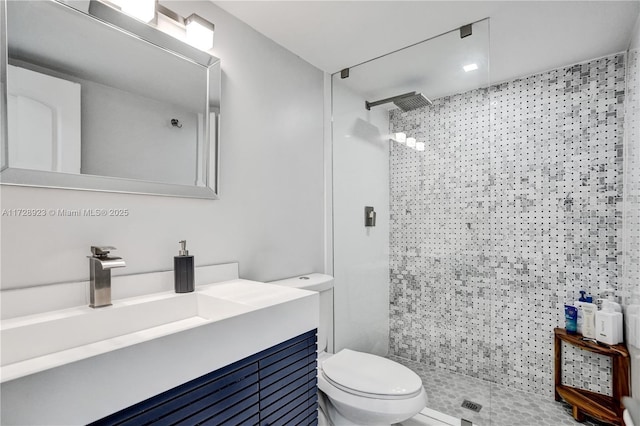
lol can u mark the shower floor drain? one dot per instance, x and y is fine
(470, 405)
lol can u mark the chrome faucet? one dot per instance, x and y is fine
(100, 266)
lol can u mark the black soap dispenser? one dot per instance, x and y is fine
(183, 269)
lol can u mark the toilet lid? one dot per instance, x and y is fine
(370, 374)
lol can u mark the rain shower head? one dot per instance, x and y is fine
(406, 102)
(412, 102)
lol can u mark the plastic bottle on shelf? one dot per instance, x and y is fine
(580, 304)
(609, 324)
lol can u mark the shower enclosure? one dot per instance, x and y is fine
(411, 138)
(494, 204)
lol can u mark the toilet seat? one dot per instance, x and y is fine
(370, 376)
(365, 394)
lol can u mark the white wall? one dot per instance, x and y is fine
(635, 37)
(361, 255)
(269, 217)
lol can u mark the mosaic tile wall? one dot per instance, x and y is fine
(632, 175)
(514, 206)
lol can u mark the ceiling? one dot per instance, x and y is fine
(433, 68)
(526, 37)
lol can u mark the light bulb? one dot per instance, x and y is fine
(419, 146)
(144, 10)
(199, 32)
(411, 142)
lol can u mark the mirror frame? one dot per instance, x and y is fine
(106, 15)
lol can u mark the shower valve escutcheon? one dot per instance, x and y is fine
(369, 216)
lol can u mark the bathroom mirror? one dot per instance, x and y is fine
(95, 100)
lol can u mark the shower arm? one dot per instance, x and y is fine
(368, 104)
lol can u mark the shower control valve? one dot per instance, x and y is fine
(369, 216)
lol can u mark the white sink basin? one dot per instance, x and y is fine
(77, 364)
(36, 342)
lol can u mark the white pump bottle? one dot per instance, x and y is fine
(609, 324)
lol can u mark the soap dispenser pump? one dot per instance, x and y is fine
(582, 296)
(183, 268)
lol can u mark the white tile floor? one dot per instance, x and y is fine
(501, 406)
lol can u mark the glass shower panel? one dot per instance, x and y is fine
(416, 287)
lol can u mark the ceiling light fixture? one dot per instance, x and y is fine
(470, 67)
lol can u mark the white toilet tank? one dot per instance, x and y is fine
(324, 285)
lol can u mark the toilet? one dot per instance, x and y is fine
(357, 388)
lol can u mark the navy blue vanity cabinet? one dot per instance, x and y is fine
(288, 382)
(277, 386)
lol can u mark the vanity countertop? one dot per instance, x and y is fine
(212, 327)
(38, 342)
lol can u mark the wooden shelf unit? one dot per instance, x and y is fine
(602, 407)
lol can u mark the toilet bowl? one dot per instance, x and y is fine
(357, 388)
(365, 389)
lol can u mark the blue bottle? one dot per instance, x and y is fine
(571, 319)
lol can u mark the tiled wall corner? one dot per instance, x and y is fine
(514, 206)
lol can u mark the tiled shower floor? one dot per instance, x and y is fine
(501, 406)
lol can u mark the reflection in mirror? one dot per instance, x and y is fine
(91, 106)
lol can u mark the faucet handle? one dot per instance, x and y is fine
(101, 251)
